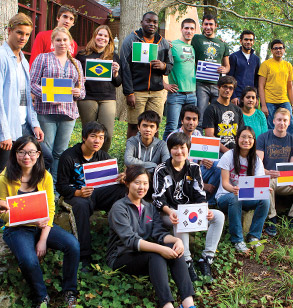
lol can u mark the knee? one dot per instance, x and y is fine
(81, 207)
(29, 263)
(72, 245)
(219, 217)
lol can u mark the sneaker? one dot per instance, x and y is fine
(241, 247)
(191, 271)
(254, 240)
(271, 229)
(70, 299)
(205, 266)
(44, 303)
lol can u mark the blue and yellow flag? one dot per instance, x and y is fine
(57, 90)
(99, 70)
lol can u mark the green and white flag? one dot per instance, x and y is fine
(144, 52)
(99, 70)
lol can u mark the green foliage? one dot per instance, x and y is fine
(283, 254)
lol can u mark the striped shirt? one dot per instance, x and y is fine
(47, 65)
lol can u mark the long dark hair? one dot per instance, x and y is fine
(13, 169)
(251, 157)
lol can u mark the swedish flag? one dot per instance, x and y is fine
(57, 90)
(98, 70)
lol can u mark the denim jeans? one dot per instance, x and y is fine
(215, 228)
(272, 109)
(229, 203)
(57, 129)
(205, 92)
(22, 241)
(211, 176)
(175, 102)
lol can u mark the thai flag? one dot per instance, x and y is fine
(207, 71)
(254, 187)
(102, 173)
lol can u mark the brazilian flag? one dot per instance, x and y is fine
(99, 70)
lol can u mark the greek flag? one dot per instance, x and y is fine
(207, 71)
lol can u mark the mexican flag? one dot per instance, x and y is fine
(144, 52)
(98, 70)
(204, 147)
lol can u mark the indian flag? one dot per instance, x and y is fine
(204, 147)
(144, 52)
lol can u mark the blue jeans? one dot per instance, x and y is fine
(272, 109)
(175, 102)
(57, 129)
(229, 203)
(205, 92)
(22, 241)
(211, 176)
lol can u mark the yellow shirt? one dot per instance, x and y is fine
(277, 75)
(8, 189)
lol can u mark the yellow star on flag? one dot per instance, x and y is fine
(15, 204)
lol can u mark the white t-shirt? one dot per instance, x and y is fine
(23, 100)
(246, 55)
(226, 163)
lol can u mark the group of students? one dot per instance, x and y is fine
(139, 241)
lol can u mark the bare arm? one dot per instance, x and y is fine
(210, 132)
(272, 173)
(226, 183)
(290, 92)
(226, 64)
(261, 91)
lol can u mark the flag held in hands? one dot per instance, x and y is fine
(98, 70)
(204, 147)
(254, 187)
(57, 90)
(286, 174)
(102, 173)
(27, 208)
(144, 52)
(207, 71)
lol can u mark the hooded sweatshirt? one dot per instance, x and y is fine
(136, 153)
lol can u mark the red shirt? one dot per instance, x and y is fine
(43, 44)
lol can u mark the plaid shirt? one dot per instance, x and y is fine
(47, 65)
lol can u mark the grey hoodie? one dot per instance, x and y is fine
(136, 153)
(127, 228)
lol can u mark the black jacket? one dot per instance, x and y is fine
(140, 76)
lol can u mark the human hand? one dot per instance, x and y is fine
(208, 187)
(42, 223)
(222, 70)
(235, 190)
(210, 215)
(158, 65)
(173, 88)
(41, 248)
(3, 206)
(84, 192)
(115, 69)
(178, 247)
(6, 145)
(76, 92)
(274, 174)
(265, 110)
(39, 134)
(173, 218)
(121, 178)
(207, 163)
(170, 43)
(235, 101)
(168, 253)
(130, 100)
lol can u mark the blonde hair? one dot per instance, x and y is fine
(283, 111)
(20, 19)
(91, 45)
(69, 56)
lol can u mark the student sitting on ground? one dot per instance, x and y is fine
(140, 245)
(25, 173)
(179, 181)
(234, 163)
(71, 185)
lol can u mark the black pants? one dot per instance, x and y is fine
(154, 265)
(101, 199)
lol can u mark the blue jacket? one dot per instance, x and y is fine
(244, 72)
(10, 127)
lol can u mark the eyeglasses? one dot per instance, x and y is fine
(278, 48)
(230, 88)
(250, 138)
(31, 153)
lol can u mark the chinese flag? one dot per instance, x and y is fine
(27, 208)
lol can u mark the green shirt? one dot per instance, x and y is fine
(210, 50)
(257, 121)
(184, 65)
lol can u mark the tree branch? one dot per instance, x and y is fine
(237, 15)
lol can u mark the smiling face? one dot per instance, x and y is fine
(66, 20)
(247, 42)
(94, 141)
(18, 37)
(27, 156)
(249, 100)
(189, 122)
(281, 122)
(150, 24)
(209, 27)
(278, 51)
(138, 188)
(61, 43)
(246, 140)
(102, 39)
(179, 154)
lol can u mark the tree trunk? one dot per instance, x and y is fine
(7, 10)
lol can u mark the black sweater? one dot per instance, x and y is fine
(100, 90)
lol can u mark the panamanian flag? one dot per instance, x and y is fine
(102, 173)
(207, 71)
(144, 52)
(254, 187)
(57, 90)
